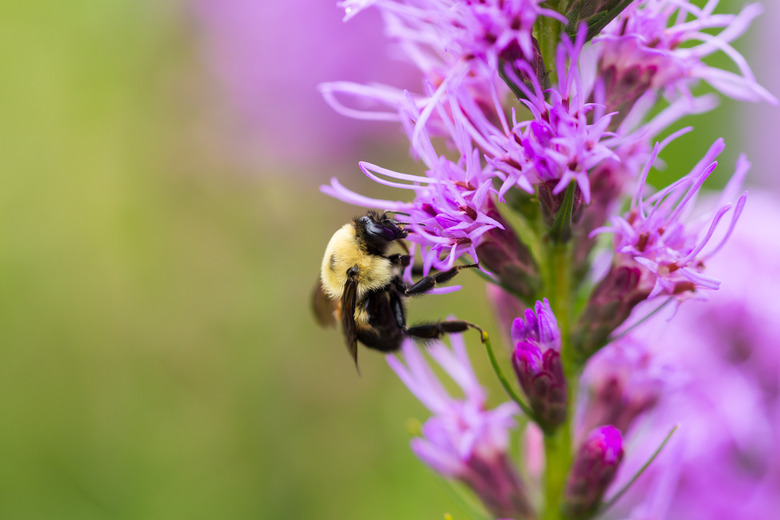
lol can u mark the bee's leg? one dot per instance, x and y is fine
(437, 330)
(429, 282)
(385, 328)
(397, 307)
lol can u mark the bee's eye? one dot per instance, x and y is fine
(385, 230)
(387, 233)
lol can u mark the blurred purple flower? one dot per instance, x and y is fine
(722, 462)
(269, 57)
(623, 381)
(661, 44)
(464, 440)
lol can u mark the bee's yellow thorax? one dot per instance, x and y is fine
(342, 253)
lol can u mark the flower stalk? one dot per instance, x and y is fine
(550, 112)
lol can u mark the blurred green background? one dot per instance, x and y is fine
(157, 356)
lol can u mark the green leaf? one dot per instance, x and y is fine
(595, 15)
(561, 228)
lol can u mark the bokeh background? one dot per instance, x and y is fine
(161, 229)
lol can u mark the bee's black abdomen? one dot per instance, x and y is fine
(385, 328)
(381, 338)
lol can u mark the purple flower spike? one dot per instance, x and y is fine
(464, 440)
(537, 363)
(593, 470)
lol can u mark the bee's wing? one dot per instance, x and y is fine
(323, 307)
(348, 303)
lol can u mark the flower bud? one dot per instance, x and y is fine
(593, 470)
(607, 182)
(610, 303)
(537, 363)
(502, 252)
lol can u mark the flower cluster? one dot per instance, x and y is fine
(535, 123)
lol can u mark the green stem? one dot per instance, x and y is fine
(557, 455)
(507, 387)
(560, 293)
(558, 444)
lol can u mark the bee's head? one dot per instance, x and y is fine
(376, 231)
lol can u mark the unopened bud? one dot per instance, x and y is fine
(593, 470)
(610, 303)
(502, 253)
(537, 363)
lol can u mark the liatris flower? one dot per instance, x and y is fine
(451, 210)
(565, 138)
(660, 44)
(464, 440)
(593, 470)
(532, 134)
(455, 44)
(655, 236)
(658, 253)
(537, 362)
(449, 39)
(722, 462)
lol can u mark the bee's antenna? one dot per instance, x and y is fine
(397, 212)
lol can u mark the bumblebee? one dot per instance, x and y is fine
(361, 285)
